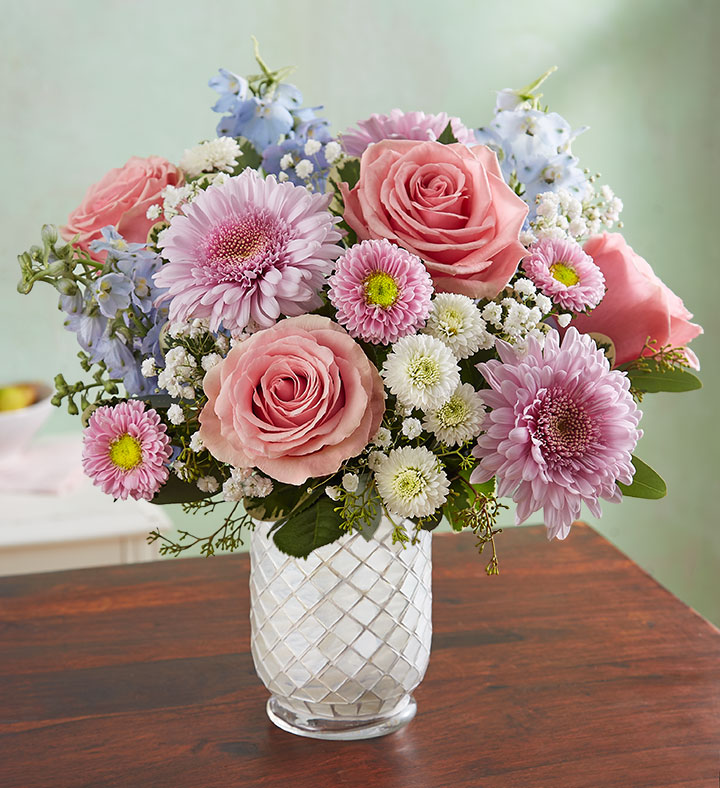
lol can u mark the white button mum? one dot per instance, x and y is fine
(421, 371)
(455, 320)
(411, 482)
(459, 419)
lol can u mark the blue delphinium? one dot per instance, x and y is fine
(283, 157)
(263, 117)
(533, 147)
(115, 319)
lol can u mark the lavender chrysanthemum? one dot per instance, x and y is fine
(565, 273)
(399, 125)
(381, 292)
(249, 248)
(560, 430)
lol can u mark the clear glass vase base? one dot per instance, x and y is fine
(341, 728)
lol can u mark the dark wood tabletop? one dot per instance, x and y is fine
(572, 668)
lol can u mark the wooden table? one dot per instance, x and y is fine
(573, 668)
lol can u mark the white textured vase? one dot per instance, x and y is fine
(342, 638)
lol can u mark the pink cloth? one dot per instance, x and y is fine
(49, 466)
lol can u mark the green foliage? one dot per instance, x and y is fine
(178, 491)
(225, 539)
(361, 510)
(447, 137)
(311, 528)
(250, 158)
(646, 483)
(284, 501)
(660, 369)
(347, 170)
(431, 522)
(654, 376)
(103, 389)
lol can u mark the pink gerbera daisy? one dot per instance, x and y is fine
(381, 292)
(125, 450)
(565, 274)
(561, 429)
(249, 248)
(399, 125)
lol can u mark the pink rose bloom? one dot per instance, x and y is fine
(121, 199)
(295, 400)
(448, 204)
(637, 304)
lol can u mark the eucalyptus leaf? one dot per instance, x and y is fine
(313, 527)
(656, 378)
(646, 482)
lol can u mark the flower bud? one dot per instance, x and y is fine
(57, 267)
(49, 234)
(67, 287)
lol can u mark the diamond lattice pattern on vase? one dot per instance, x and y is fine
(345, 632)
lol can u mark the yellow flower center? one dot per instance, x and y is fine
(565, 274)
(381, 290)
(126, 452)
(423, 372)
(409, 483)
(453, 412)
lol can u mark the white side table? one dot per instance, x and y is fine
(85, 527)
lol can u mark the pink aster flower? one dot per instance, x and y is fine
(561, 429)
(399, 125)
(381, 292)
(249, 248)
(125, 450)
(565, 274)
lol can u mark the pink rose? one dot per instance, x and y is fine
(446, 203)
(637, 304)
(121, 199)
(295, 400)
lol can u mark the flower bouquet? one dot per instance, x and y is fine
(344, 340)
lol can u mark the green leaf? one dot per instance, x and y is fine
(646, 483)
(656, 378)
(314, 527)
(177, 491)
(447, 137)
(250, 157)
(284, 501)
(349, 171)
(368, 530)
(431, 522)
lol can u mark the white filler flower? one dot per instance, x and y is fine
(411, 482)
(456, 321)
(421, 371)
(457, 420)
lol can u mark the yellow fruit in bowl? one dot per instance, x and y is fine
(16, 397)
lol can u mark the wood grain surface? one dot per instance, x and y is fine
(573, 668)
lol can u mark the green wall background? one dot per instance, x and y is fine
(85, 84)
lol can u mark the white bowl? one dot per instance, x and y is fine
(18, 427)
